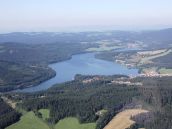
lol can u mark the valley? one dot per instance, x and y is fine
(85, 64)
(89, 80)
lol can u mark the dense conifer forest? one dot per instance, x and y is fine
(8, 115)
(85, 96)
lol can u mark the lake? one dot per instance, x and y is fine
(85, 64)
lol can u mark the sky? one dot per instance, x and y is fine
(78, 15)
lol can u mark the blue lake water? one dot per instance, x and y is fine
(85, 64)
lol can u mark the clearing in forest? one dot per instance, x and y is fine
(29, 121)
(45, 113)
(73, 123)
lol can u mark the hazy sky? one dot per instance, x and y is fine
(63, 15)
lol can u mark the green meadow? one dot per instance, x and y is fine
(73, 123)
(45, 113)
(29, 121)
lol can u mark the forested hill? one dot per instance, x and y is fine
(24, 65)
(85, 96)
(39, 53)
(14, 75)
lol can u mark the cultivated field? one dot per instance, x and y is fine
(150, 53)
(122, 120)
(148, 58)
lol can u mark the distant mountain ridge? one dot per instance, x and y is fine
(149, 37)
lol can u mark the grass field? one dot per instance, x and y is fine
(104, 46)
(45, 113)
(73, 123)
(29, 121)
(165, 71)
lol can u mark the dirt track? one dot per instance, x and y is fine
(122, 120)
